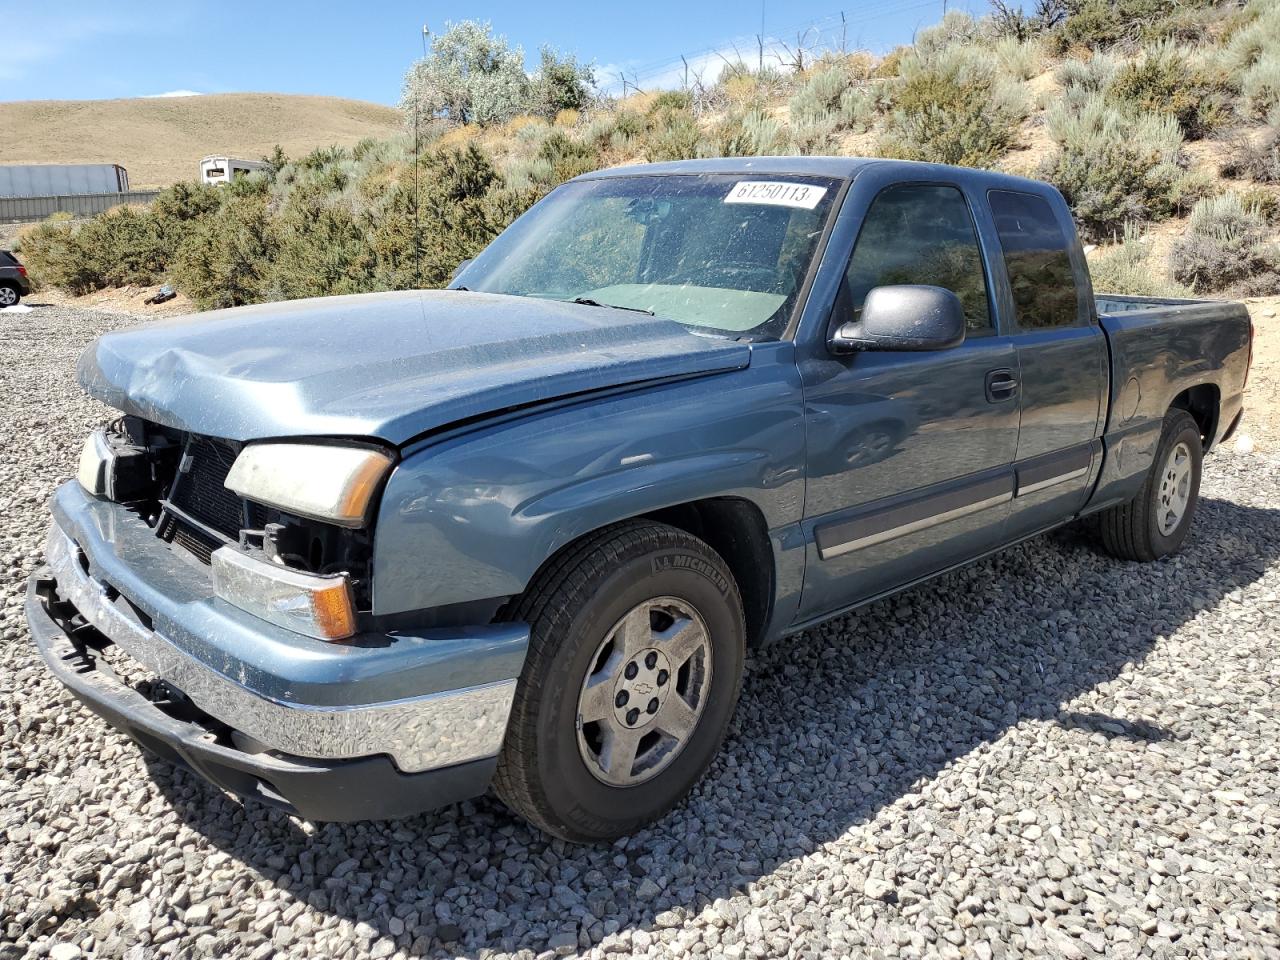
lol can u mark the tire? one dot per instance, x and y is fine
(1142, 529)
(589, 609)
(9, 295)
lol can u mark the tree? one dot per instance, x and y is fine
(471, 75)
(561, 83)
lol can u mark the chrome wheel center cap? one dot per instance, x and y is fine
(641, 688)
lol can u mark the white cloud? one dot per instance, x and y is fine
(705, 66)
(172, 93)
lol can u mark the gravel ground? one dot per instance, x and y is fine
(1047, 754)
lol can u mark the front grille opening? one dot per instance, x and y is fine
(198, 489)
(199, 543)
(200, 515)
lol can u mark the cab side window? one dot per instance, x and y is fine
(923, 234)
(1038, 260)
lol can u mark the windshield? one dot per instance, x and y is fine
(720, 254)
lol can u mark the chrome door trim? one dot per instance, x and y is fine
(1038, 473)
(888, 522)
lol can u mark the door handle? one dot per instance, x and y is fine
(1002, 385)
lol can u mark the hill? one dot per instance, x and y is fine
(160, 140)
(1162, 133)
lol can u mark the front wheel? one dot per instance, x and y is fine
(633, 671)
(1155, 522)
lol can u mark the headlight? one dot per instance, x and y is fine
(335, 484)
(114, 466)
(95, 464)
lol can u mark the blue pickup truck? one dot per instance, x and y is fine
(361, 556)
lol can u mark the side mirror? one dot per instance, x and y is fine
(903, 317)
(460, 267)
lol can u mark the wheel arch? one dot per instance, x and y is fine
(1204, 403)
(735, 528)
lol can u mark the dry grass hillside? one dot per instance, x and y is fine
(160, 140)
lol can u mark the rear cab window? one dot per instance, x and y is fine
(1037, 259)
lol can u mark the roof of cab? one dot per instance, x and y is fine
(844, 168)
(841, 167)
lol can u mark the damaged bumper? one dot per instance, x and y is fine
(379, 726)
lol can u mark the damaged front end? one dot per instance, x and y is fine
(290, 569)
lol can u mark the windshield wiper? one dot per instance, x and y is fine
(588, 302)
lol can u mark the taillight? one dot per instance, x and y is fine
(1248, 364)
(22, 271)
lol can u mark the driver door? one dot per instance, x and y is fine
(909, 453)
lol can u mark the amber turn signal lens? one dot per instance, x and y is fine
(316, 606)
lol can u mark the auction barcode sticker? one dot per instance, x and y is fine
(778, 194)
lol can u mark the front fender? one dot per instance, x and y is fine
(473, 516)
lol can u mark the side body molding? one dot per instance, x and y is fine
(882, 521)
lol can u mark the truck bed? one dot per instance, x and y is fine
(1162, 349)
(1110, 304)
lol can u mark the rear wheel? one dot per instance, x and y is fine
(9, 295)
(633, 671)
(1155, 522)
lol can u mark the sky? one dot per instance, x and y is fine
(70, 49)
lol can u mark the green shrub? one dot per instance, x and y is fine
(1260, 84)
(750, 134)
(1115, 166)
(1090, 75)
(125, 247)
(956, 28)
(831, 93)
(1126, 268)
(1019, 59)
(1105, 23)
(1164, 79)
(504, 204)
(1225, 249)
(953, 108)
(670, 101)
(120, 247)
(53, 257)
(567, 157)
(1256, 158)
(455, 210)
(674, 136)
(1265, 203)
(321, 251)
(828, 103)
(226, 260)
(1257, 33)
(323, 157)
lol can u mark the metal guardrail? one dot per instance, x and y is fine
(19, 209)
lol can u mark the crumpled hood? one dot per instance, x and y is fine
(385, 365)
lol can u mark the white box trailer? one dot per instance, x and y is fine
(62, 179)
(226, 169)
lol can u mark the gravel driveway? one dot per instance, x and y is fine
(1047, 754)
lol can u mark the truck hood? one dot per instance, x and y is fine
(387, 365)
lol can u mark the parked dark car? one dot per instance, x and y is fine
(14, 283)
(376, 553)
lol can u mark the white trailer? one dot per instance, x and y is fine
(226, 169)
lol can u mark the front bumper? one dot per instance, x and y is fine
(382, 725)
